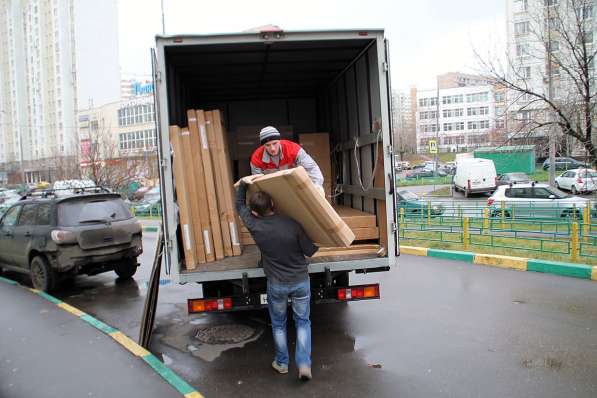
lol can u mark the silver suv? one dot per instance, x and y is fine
(535, 200)
(52, 238)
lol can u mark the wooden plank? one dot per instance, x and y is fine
(231, 219)
(201, 193)
(217, 153)
(351, 247)
(365, 233)
(345, 253)
(182, 199)
(355, 218)
(191, 189)
(210, 188)
(380, 182)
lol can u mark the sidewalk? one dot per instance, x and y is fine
(49, 352)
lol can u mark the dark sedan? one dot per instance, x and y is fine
(512, 178)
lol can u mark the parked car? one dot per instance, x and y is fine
(8, 202)
(512, 178)
(53, 238)
(563, 163)
(535, 200)
(148, 207)
(475, 175)
(411, 203)
(419, 172)
(578, 181)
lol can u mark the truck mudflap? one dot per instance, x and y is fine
(258, 300)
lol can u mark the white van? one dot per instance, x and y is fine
(474, 175)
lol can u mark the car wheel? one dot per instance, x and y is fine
(573, 190)
(558, 185)
(126, 269)
(43, 276)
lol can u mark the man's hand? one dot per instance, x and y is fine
(247, 179)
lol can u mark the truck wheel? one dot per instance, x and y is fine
(573, 190)
(43, 276)
(126, 269)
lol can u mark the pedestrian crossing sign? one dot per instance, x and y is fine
(432, 146)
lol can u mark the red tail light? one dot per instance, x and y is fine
(207, 305)
(490, 201)
(468, 183)
(358, 292)
(579, 180)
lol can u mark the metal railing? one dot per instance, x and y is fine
(533, 229)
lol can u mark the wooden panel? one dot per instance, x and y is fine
(317, 145)
(191, 188)
(355, 218)
(201, 194)
(183, 200)
(368, 233)
(216, 151)
(210, 187)
(225, 165)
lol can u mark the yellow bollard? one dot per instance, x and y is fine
(401, 215)
(486, 218)
(586, 222)
(428, 213)
(465, 235)
(574, 242)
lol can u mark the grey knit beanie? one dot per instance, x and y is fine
(268, 133)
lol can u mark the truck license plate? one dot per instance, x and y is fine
(263, 298)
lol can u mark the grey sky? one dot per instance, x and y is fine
(427, 37)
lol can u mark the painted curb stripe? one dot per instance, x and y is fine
(452, 255)
(9, 281)
(564, 269)
(415, 251)
(494, 260)
(129, 344)
(69, 308)
(175, 381)
(165, 372)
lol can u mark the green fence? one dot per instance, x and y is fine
(532, 230)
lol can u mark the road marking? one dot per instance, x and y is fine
(129, 344)
(71, 309)
(494, 260)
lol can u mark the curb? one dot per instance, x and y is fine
(165, 372)
(581, 271)
(150, 229)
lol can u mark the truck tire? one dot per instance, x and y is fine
(43, 277)
(127, 269)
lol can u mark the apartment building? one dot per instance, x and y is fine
(460, 118)
(403, 121)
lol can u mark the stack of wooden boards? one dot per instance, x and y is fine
(204, 190)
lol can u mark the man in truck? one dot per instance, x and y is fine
(276, 154)
(283, 244)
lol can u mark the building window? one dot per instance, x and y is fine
(522, 28)
(477, 139)
(499, 96)
(500, 123)
(481, 110)
(457, 112)
(522, 49)
(551, 2)
(428, 115)
(477, 97)
(584, 12)
(456, 126)
(521, 5)
(429, 128)
(553, 46)
(452, 99)
(478, 124)
(431, 101)
(524, 72)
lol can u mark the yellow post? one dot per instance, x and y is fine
(401, 215)
(133, 211)
(586, 221)
(428, 213)
(503, 206)
(486, 218)
(465, 236)
(574, 242)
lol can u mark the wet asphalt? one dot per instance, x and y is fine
(441, 329)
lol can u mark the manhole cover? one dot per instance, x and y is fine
(224, 334)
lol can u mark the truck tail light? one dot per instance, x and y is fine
(358, 292)
(63, 237)
(490, 201)
(209, 305)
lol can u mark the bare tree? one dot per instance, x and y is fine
(549, 72)
(103, 164)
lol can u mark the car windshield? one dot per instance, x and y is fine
(92, 210)
(558, 194)
(408, 195)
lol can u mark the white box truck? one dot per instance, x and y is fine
(318, 81)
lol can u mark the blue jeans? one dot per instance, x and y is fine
(277, 301)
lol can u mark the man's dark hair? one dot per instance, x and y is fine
(261, 203)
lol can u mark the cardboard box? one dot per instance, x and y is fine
(317, 145)
(247, 139)
(295, 195)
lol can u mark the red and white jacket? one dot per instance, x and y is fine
(291, 155)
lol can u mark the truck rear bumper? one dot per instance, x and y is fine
(353, 265)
